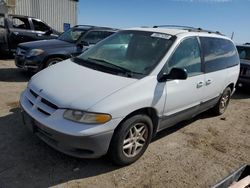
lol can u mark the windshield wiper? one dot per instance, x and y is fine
(120, 69)
(111, 64)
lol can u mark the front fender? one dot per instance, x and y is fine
(145, 93)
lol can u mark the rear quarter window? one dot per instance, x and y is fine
(218, 54)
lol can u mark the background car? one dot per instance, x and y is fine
(34, 56)
(15, 29)
(244, 77)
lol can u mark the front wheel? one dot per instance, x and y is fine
(131, 139)
(53, 61)
(222, 104)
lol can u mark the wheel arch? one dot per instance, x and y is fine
(149, 111)
(62, 56)
(231, 86)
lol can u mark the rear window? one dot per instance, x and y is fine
(244, 52)
(218, 53)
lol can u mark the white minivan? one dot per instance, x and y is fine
(116, 96)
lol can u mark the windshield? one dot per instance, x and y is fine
(135, 52)
(244, 52)
(72, 35)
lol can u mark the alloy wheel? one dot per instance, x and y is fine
(135, 140)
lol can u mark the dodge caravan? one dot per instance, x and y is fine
(116, 96)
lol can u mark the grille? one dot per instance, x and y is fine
(20, 52)
(40, 104)
(33, 93)
(49, 103)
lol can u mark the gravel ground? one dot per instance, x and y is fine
(197, 153)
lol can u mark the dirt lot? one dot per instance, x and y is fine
(197, 153)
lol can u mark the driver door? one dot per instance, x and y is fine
(183, 97)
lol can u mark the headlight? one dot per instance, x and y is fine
(35, 52)
(86, 117)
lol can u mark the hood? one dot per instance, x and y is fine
(69, 85)
(45, 44)
(245, 62)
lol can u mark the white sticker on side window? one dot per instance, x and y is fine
(161, 35)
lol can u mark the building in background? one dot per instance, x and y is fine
(3, 8)
(60, 14)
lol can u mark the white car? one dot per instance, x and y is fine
(116, 96)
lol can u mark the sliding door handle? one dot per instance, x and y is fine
(208, 82)
(200, 84)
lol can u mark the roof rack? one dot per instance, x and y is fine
(247, 43)
(188, 28)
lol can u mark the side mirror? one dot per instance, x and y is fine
(49, 32)
(175, 74)
(84, 43)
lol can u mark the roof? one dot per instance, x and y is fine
(176, 30)
(20, 16)
(244, 45)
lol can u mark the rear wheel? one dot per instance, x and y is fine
(52, 61)
(131, 140)
(222, 104)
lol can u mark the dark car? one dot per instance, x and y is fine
(34, 56)
(15, 29)
(244, 77)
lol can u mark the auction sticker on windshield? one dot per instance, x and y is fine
(161, 35)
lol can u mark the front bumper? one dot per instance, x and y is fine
(77, 146)
(31, 64)
(75, 139)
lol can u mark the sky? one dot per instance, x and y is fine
(226, 16)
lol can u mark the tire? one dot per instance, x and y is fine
(222, 104)
(136, 131)
(52, 61)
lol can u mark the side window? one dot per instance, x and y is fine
(94, 37)
(187, 55)
(20, 23)
(218, 54)
(244, 52)
(1, 21)
(40, 26)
